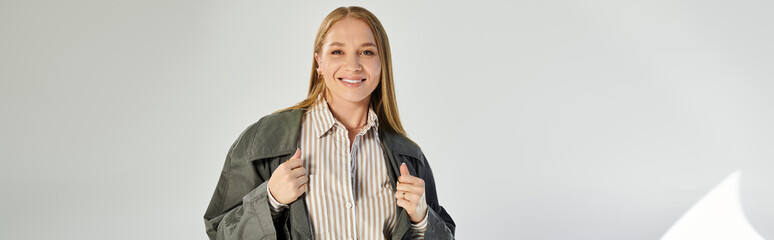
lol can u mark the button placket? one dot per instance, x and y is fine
(349, 198)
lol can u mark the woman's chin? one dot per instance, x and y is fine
(351, 97)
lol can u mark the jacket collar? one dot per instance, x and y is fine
(278, 134)
(323, 120)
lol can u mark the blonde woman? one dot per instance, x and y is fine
(337, 165)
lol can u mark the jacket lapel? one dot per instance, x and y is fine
(282, 141)
(285, 138)
(394, 147)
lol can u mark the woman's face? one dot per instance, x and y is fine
(349, 61)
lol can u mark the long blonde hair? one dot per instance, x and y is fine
(383, 97)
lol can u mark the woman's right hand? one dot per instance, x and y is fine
(289, 180)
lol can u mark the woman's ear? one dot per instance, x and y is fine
(317, 58)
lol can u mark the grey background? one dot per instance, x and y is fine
(541, 119)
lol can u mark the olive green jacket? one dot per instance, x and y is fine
(239, 208)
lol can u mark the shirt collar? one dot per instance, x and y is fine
(323, 120)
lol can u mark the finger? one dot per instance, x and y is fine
(297, 154)
(399, 194)
(408, 179)
(401, 202)
(404, 170)
(405, 204)
(293, 163)
(409, 188)
(412, 197)
(303, 188)
(408, 196)
(297, 172)
(301, 181)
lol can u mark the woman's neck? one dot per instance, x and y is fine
(352, 114)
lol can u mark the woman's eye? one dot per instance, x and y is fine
(368, 52)
(336, 52)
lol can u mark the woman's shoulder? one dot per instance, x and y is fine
(402, 145)
(276, 119)
(277, 122)
(278, 130)
(280, 118)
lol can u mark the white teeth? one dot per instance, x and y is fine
(350, 80)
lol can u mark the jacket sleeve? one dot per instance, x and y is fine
(239, 208)
(440, 225)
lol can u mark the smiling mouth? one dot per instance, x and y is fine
(352, 80)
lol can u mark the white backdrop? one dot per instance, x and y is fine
(541, 119)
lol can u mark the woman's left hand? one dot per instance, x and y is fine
(410, 195)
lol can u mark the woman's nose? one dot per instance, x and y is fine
(353, 63)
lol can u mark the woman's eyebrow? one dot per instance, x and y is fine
(342, 44)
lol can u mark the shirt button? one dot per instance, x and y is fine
(349, 205)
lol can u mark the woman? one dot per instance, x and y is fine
(338, 165)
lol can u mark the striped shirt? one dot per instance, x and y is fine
(349, 195)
